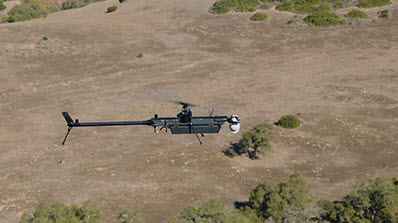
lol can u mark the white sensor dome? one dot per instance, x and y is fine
(234, 125)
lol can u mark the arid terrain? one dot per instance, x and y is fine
(341, 82)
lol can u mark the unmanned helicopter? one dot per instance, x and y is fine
(183, 123)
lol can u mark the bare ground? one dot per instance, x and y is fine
(342, 80)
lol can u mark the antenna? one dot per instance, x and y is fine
(211, 112)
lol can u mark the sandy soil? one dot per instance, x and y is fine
(342, 80)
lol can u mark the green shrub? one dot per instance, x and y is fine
(121, 1)
(45, 38)
(252, 10)
(288, 122)
(27, 10)
(140, 55)
(254, 142)
(291, 21)
(264, 7)
(356, 14)
(2, 6)
(285, 6)
(323, 18)
(271, 200)
(372, 3)
(375, 202)
(59, 212)
(224, 6)
(128, 215)
(259, 17)
(71, 4)
(112, 9)
(384, 14)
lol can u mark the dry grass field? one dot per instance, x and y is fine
(342, 80)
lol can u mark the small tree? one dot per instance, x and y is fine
(2, 6)
(272, 201)
(375, 202)
(254, 142)
(210, 212)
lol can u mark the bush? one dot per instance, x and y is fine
(285, 6)
(254, 142)
(210, 212)
(356, 14)
(59, 212)
(259, 17)
(45, 38)
(288, 122)
(323, 18)
(291, 21)
(272, 201)
(140, 55)
(384, 14)
(27, 10)
(224, 6)
(121, 1)
(112, 9)
(375, 202)
(372, 3)
(2, 6)
(71, 4)
(128, 215)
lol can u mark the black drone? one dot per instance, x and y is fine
(184, 123)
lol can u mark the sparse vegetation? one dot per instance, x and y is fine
(27, 10)
(2, 6)
(287, 201)
(372, 3)
(140, 55)
(128, 215)
(288, 122)
(323, 18)
(45, 38)
(259, 17)
(111, 9)
(291, 21)
(356, 14)
(318, 11)
(59, 212)
(209, 212)
(254, 142)
(224, 6)
(384, 14)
